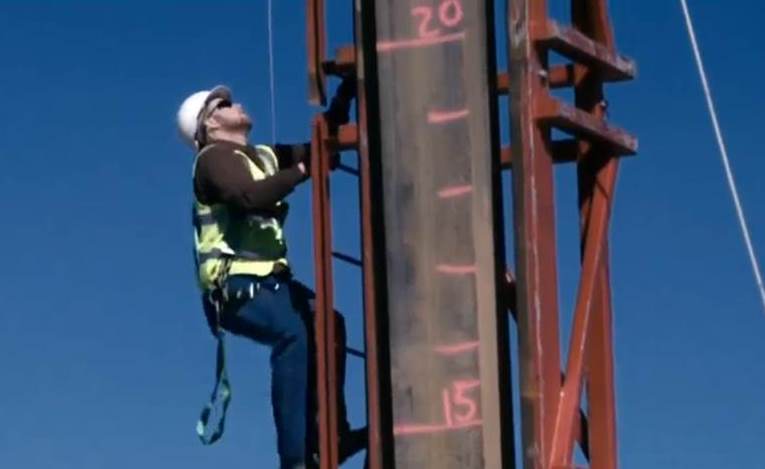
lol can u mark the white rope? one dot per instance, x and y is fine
(724, 152)
(271, 71)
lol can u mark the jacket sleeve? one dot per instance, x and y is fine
(225, 178)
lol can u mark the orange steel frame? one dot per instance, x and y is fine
(552, 421)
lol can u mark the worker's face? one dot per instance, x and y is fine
(229, 116)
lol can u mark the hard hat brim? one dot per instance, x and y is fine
(219, 92)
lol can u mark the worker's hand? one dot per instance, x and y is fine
(303, 160)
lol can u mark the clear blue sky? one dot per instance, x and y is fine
(104, 354)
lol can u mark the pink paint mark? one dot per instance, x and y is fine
(455, 191)
(447, 401)
(450, 13)
(456, 349)
(460, 410)
(456, 269)
(387, 46)
(426, 14)
(469, 406)
(413, 429)
(439, 117)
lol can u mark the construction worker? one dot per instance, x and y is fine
(241, 256)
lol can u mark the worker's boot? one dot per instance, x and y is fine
(350, 441)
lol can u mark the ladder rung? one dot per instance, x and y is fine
(347, 258)
(356, 353)
(580, 48)
(584, 125)
(347, 169)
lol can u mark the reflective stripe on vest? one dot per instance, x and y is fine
(215, 254)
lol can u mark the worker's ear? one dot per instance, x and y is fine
(211, 123)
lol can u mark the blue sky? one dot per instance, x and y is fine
(105, 356)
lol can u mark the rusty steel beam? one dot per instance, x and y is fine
(316, 51)
(602, 437)
(437, 172)
(552, 418)
(570, 396)
(354, 60)
(324, 323)
(349, 61)
(344, 62)
(508, 297)
(592, 20)
(535, 251)
(379, 423)
(572, 119)
(579, 47)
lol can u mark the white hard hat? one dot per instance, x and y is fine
(190, 115)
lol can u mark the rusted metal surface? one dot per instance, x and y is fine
(578, 47)
(431, 240)
(500, 336)
(535, 251)
(316, 51)
(349, 61)
(344, 62)
(552, 420)
(379, 448)
(438, 197)
(571, 119)
(508, 298)
(326, 372)
(571, 391)
(600, 377)
(591, 18)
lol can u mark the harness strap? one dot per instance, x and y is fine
(221, 396)
(221, 393)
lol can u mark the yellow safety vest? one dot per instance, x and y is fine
(229, 242)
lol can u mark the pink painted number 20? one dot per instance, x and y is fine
(449, 15)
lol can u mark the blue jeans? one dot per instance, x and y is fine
(277, 311)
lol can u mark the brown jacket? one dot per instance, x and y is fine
(221, 176)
